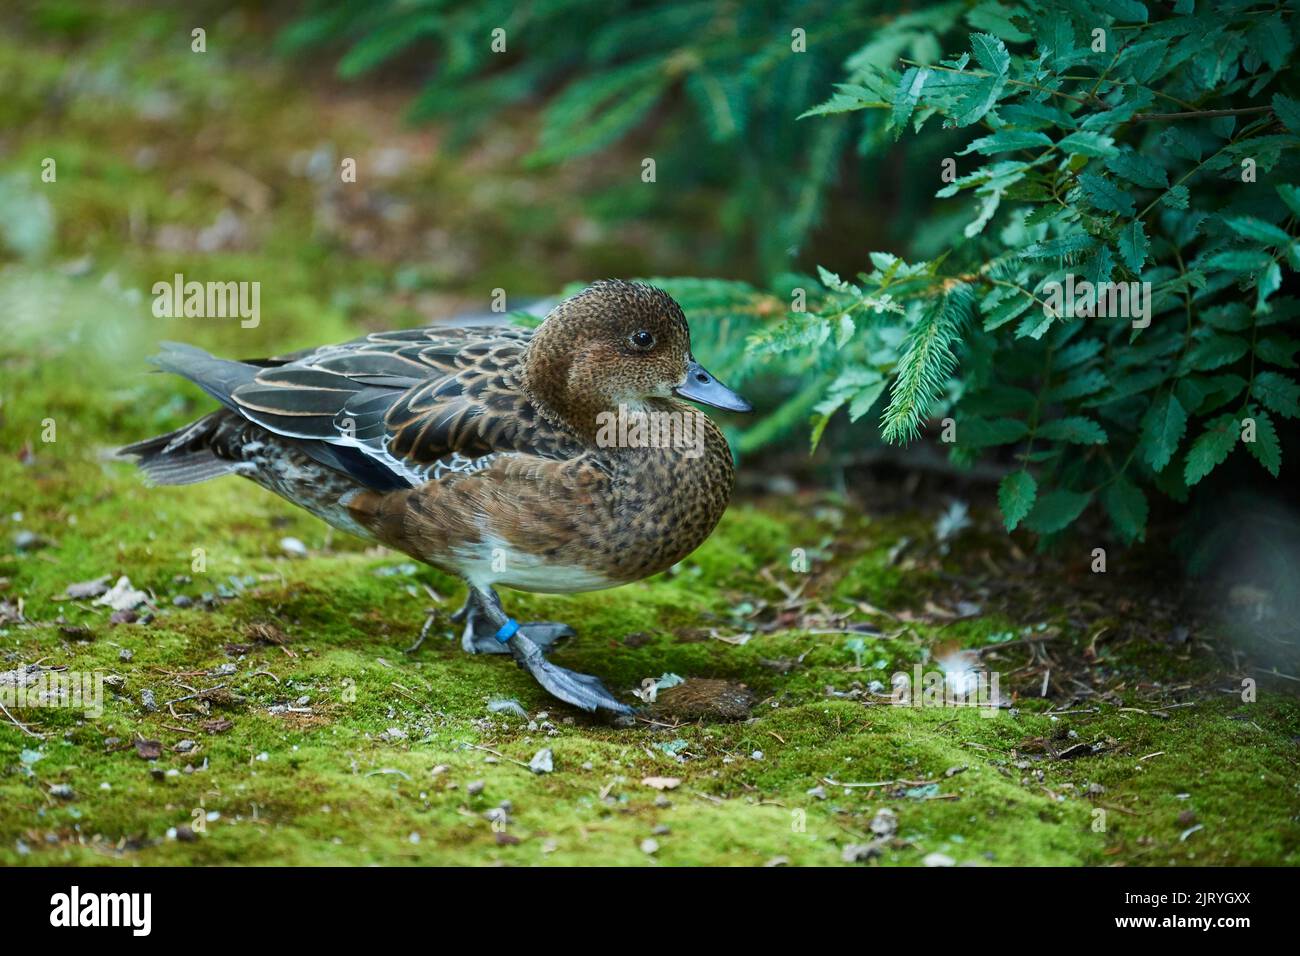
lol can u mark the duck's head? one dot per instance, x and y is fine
(617, 343)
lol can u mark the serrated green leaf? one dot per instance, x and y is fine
(1277, 350)
(1074, 429)
(1006, 311)
(1105, 195)
(977, 432)
(990, 53)
(1076, 354)
(1258, 230)
(1288, 111)
(1016, 494)
(1211, 449)
(833, 282)
(1127, 507)
(1163, 427)
(1176, 198)
(865, 399)
(1088, 144)
(908, 95)
(1138, 169)
(1266, 448)
(1216, 352)
(1238, 260)
(1134, 246)
(1077, 385)
(848, 98)
(1005, 140)
(978, 99)
(1278, 393)
(1266, 283)
(1056, 510)
(1074, 245)
(992, 17)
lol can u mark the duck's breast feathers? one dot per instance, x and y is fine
(424, 403)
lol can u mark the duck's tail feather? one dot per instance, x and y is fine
(218, 377)
(185, 456)
(194, 453)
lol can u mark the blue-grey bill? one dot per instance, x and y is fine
(700, 386)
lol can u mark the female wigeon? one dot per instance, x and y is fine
(554, 459)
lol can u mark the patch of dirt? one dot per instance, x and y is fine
(703, 699)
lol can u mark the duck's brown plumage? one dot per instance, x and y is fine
(473, 449)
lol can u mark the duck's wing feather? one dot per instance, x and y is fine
(419, 403)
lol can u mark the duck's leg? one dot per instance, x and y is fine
(480, 634)
(580, 690)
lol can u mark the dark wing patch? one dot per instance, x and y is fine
(417, 403)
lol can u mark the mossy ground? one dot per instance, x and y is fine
(328, 782)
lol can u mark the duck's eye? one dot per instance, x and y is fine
(641, 340)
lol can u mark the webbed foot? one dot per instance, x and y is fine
(529, 642)
(581, 690)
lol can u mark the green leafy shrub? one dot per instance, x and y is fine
(1103, 148)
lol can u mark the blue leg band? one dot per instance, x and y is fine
(508, 630)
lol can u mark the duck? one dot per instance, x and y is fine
(556, 459)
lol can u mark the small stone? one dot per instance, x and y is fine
(938, 859)
(661, 830)
(62, 791)
(28, 541)
(649, 846)
(475, 787)
(182, 600)
(185, 834)
(125, 655)
(884, 823)
(185, 746)
(662, 802)
(859, 852)
(148, 749)
(87, 589)
(543, 761)
(756, 755)
(1187, 818)
(293, 547)
(819, 792)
